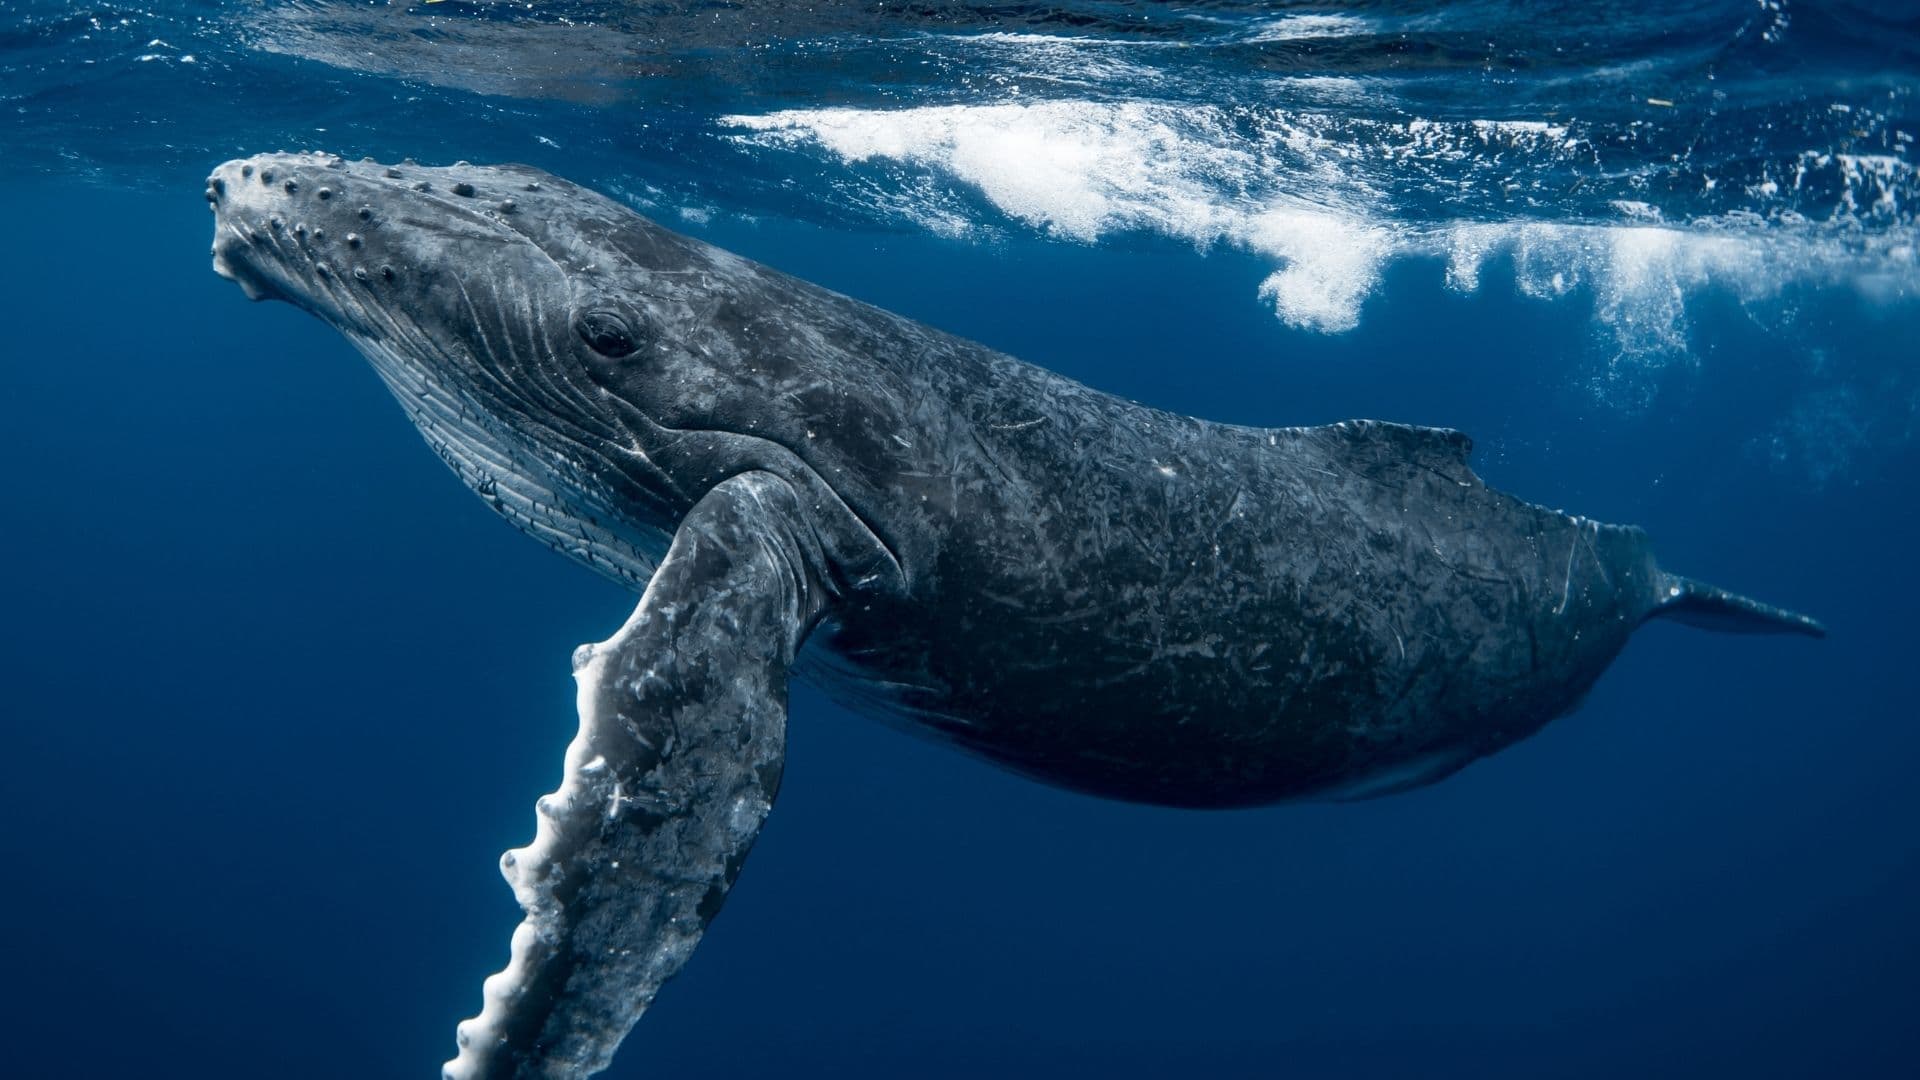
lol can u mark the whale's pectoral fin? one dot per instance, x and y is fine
(682, 738)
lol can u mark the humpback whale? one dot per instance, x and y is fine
(1088, 591)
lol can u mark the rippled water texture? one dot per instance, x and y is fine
(1642, 155)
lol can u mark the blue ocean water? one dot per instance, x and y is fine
(280, 691)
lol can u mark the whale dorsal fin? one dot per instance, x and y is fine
(1381, 442)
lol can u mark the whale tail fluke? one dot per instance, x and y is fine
(1712, 608)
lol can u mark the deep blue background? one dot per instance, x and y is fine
(278, 692)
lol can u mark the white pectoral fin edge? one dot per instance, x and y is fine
(681, 744)
(586, 788)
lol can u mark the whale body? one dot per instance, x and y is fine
(1089, 591)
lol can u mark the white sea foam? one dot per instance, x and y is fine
(1642, 277)
(1080, 171)
(1304, 26)
(1306, 190)
(1329, 265)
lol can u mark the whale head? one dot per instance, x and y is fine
(491, 300)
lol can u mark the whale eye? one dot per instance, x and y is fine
(607, 333)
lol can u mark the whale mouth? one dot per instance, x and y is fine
(262, 238)
(299, 228)
(240, 271)
(232, 240)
